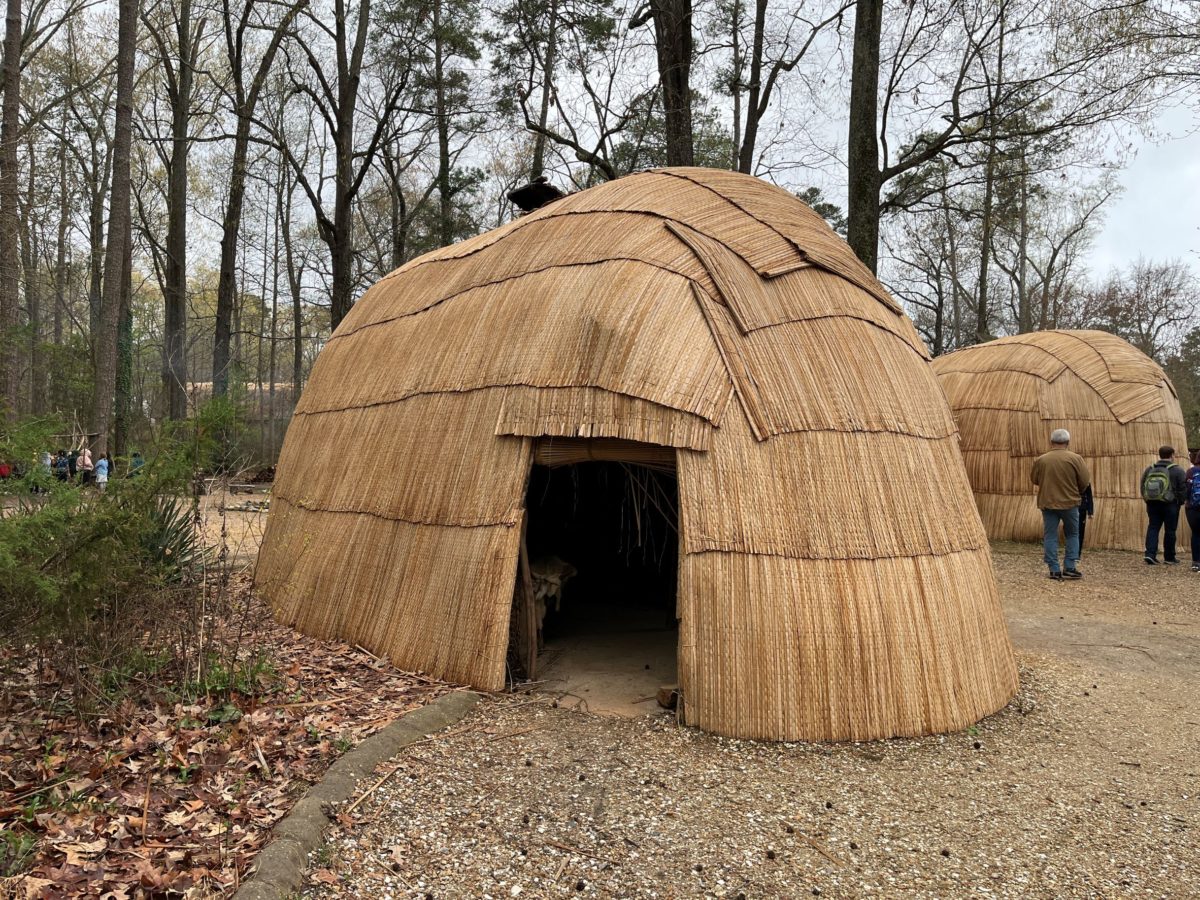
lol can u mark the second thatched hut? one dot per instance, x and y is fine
(1009, 394)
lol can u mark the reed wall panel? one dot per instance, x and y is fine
(595, 413)
(803, 294)
(1018, 356)
(1117, 403)
(545, 244)
(804, 383)
(430, 598)
(990, 391)
(803, 227)
(826, 495)
(652, 194)
(379, 461)
(635, 331)
(902, 646)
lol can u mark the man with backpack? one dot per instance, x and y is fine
(1164, 487)
(1061, 476)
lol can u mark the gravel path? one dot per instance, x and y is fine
(1085, 786)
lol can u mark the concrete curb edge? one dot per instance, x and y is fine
(279, 868)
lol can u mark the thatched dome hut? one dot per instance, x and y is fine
(1009, 394)
(834, 580)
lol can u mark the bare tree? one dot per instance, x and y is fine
(673, 44)
(777, 43)
(1153, 305)
(118, 250)
(1066, 68)
(335, 94)
(244, 99)
(862, 205)
(177, 39)
(10, 222)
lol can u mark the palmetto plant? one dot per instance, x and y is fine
(171, 541)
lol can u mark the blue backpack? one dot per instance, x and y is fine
(1193, 491)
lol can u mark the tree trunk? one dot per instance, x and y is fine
(124, 382)
(735, 84)
(10, 217)
(862, 205)
(227, 279)
(673, 42)
(96, 255)
(247, 102)
(538, 165)
(399, 224)
(31, 263)
(750, 138)
(295, 278)
(1024, 307)
(983, 312)
(273, 373)
(341, 241)
(955, 281)
(60, 260)
(118, 250)
(175, 286)
(442, 116)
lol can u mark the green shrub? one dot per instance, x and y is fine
(113, 587)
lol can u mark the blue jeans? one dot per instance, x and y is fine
(1070, 524)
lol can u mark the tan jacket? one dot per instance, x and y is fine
(1061, 476)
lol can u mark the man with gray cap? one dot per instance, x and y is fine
(1061, 477)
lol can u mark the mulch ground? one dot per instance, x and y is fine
(1085, 786)
(170, 798)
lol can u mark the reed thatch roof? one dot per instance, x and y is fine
(1009, 394)
(834, 578)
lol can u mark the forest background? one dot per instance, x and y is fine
(194, 192)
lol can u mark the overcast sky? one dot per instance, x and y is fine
(1158, 215)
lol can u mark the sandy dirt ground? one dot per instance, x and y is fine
(1086, 785)
(236, 522)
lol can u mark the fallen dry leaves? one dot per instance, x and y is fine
(172, 798)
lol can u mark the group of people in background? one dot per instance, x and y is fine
(78, 467)
(1064, 496)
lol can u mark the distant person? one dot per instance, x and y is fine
(136, 463)
(86, 466)
(73, 464)
(1163, 488)
(62, 466)
(1061, 476)
(1087, 509)
(1192, 506)
(102, 473)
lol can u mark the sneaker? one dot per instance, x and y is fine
(1056, 576)
(1072, 573)
(1150, 561)
(1170, 562)
(1196, 567)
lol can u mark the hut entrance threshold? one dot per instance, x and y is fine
(594, 614)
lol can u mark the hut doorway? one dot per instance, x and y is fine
(597, 581)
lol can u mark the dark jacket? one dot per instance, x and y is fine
(1177, 475)
(1087, 506)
